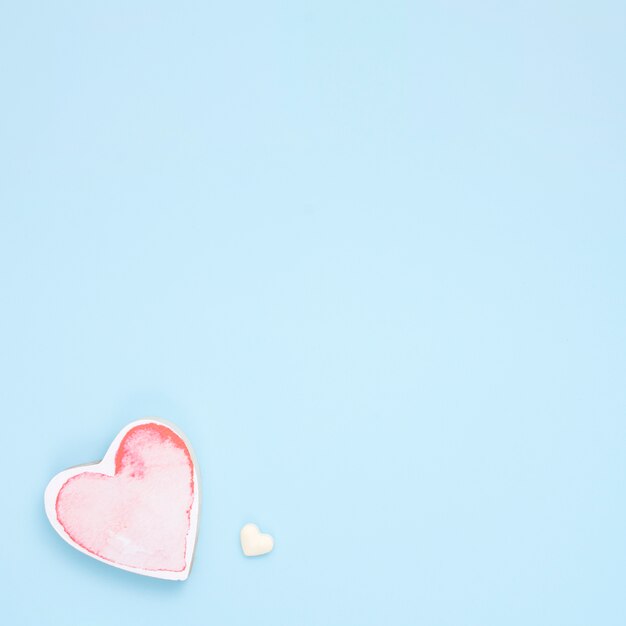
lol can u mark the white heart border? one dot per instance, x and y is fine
(107, 466)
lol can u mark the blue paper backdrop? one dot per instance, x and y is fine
(369, 256)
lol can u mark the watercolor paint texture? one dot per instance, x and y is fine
(138, 517)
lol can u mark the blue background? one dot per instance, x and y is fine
(369, 256)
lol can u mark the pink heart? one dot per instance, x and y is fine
(138, 508)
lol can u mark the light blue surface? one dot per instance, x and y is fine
(369, 256)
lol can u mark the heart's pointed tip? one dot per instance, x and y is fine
(184, 574)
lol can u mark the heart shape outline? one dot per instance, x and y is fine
(107, 467)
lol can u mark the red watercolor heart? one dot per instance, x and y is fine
(137, 509)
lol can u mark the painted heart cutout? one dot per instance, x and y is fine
(138, 508)
(254, 542)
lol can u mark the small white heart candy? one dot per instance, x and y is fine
(254, 542)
